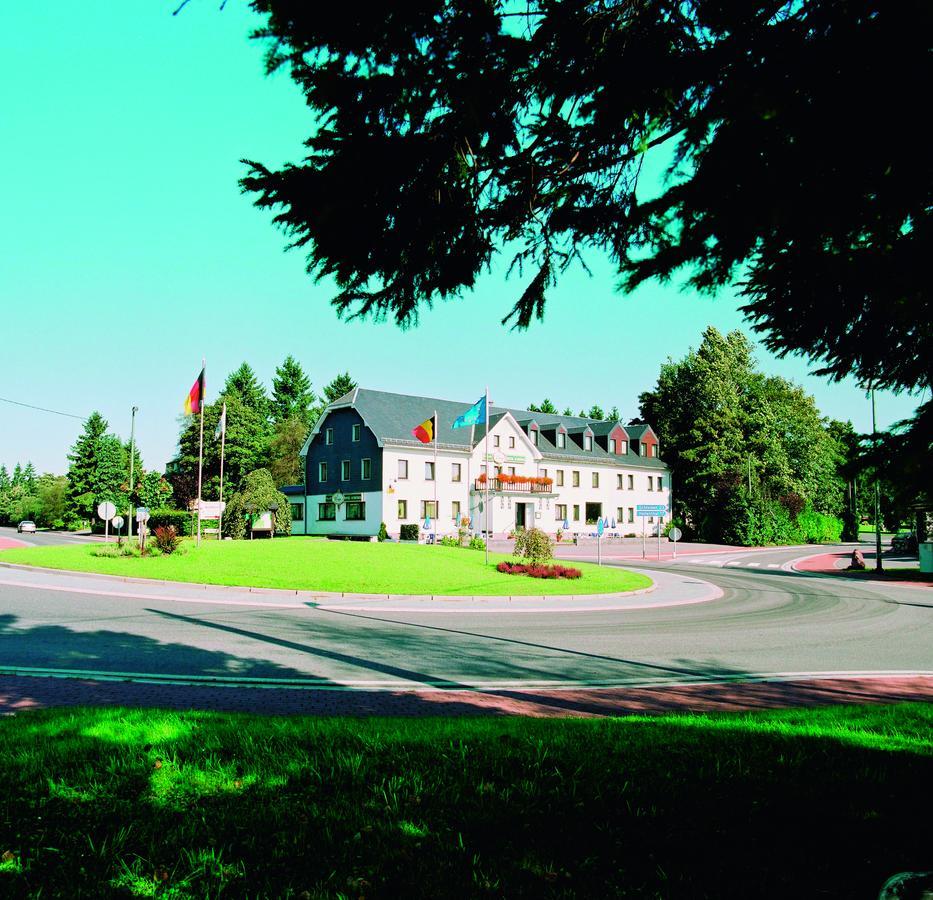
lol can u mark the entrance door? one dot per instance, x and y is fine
(519, 515)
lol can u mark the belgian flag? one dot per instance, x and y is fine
(195, 396)
(426, 431)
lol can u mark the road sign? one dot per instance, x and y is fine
(600, 526)
(142, 515)
(652, 510)
(117, 522)
(212, 509)
(106, 510)
(675, 534)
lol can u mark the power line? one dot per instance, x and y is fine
(43, 409)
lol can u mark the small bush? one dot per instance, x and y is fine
(167, 539)
(449, 541)
(533, 544)
(178, 519)
(115, 551)
(477, 543)
(409, 532)
(538, 571)
(383, 532)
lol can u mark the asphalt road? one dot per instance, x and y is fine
(46, 538)
(769, 622)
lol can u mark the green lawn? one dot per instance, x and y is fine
(351, 566)
(891, 574)
(130, 803)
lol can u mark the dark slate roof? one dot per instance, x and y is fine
(601, 429)
(391, 417)
(292, 490)
(636, 430)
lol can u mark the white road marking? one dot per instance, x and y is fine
(774, 565)
(752, 565)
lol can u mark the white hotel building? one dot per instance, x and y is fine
(363, 467)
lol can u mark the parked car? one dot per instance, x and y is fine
(904, 542)
(25, 526)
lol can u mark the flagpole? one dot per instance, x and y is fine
(201, 445)
(488, 474)
(223, 441)
(436, 510)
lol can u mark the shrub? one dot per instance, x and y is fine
(166, 517)
(533, 544)
(538, 571)
(477, 543)
(258, 491)
(167, 539)
(449, 541)
(409, 532)
(383, 532)
(114, 551)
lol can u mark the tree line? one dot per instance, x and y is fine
(264, 430)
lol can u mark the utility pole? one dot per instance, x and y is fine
(129, 517)
(874, 433)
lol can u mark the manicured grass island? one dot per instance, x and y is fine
(310, 564)
(134, 803)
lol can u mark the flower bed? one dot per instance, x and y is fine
(538, 571)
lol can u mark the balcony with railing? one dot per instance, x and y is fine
(515, 484)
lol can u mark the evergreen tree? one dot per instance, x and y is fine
(82, 485)
(5, 482)
(51, 491)
(546, 406)
(291, 393)
(17, 475)
(596, 412)
(30, 477)
(245, 385)
(285, 464)
(341, 385)
(614, 415)
(567, 412)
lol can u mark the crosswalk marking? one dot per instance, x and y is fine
(752, 565)
(774, 565)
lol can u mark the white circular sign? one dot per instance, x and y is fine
(142, 514)
(117, 522)
(498, 457)
(106, 510)
(675, 534)
(337, 498)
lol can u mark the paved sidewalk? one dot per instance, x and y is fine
(668, 589)
(837, 563)
(20, 694)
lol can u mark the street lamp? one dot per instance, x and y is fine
(874, 434)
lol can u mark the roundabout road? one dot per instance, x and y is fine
(774, 637)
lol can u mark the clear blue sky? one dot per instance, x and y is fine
(128, 252)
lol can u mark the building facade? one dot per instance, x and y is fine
(363, 467)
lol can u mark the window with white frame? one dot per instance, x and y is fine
(428, 508)
(366, 469)
(455, 471)
(620, 514)
(298, 511)
(326, 512)
(587, 442)
(429, 471)
(660, 484)
(561, 440)
(575, 480)
(345, 470)
(511, 442)
(322, 471)
(650, 483)
(328, 435)
(576, 512)
(560, 477)
(495, 440)
(623, 447)
(631, 514)
(631, 482)
(560, 511)
(533, 434)
(642, 448)
(455, 511)
(596, 479)
(620, 482)
(403, 469)
(355, 435)
(402, 510)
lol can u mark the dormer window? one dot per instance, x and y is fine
(623, 448)
(561, 440)
(533, 434)
(642, 449)
(587, 442)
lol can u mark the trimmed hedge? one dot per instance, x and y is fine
(535, 571)
(165, 517)
(408, 532)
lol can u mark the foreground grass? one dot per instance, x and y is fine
(100, 803)
(890, 574)
(307, 564)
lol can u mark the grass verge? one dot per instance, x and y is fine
(100, 803)
(347, 566)
(906, 574)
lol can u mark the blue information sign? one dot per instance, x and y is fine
(651, 510)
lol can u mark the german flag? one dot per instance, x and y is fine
(195, 396)
(426, 430)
